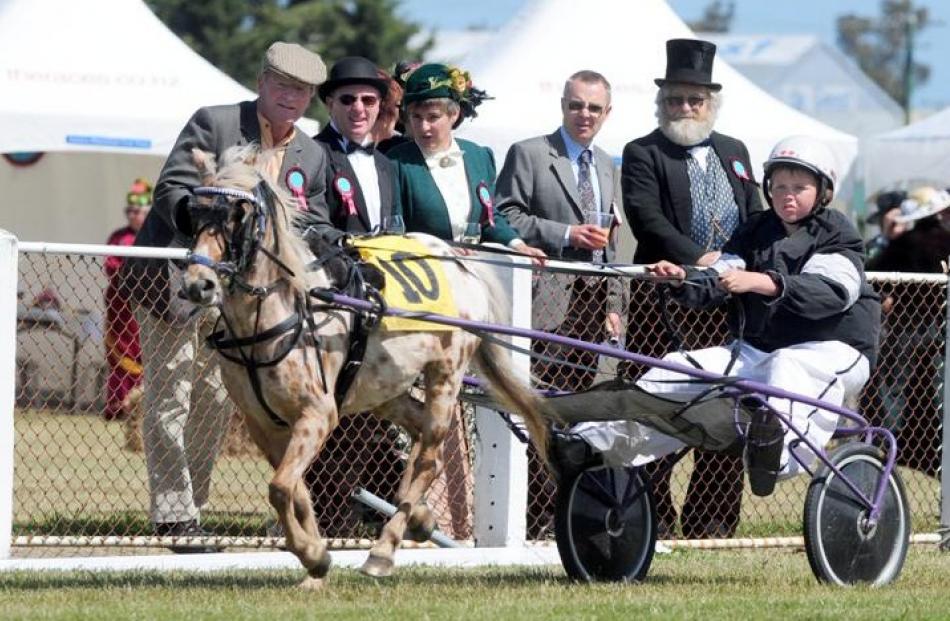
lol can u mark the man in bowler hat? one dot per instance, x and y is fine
(186, 407)
(361, 192)
(360, 181)
(685, 189)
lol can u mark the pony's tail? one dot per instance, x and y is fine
(493, 361)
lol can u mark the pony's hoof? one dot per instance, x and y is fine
(310, 583)
(321, 567)
(421, 525)
(377, 567)
(420, 533)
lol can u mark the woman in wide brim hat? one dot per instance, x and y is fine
(447, 185)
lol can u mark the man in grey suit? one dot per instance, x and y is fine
(545, 189)
(182, 429)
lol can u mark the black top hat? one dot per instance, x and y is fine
(353, 70)
(689, 61)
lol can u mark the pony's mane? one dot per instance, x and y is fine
(242, 167)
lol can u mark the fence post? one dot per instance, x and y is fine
(8, 300)
(944, 453)
(501, 460)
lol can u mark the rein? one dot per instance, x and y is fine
(232, 270)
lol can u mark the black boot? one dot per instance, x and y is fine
(187, 528)
(763, 448)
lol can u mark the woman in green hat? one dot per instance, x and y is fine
(446, 184)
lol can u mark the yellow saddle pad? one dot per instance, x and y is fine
(414, 281)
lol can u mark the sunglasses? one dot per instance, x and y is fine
(676, 101)
(577, 106)
(368, 100)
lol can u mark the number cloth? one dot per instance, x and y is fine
(415, 280)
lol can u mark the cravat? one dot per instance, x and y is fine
(584, 185)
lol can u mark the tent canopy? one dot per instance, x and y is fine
(525, 66)
(920, 151)
(814, 77)
(98, 76)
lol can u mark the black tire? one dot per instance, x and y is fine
(605, 525)
(841, 550)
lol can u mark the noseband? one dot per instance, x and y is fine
(242, 245)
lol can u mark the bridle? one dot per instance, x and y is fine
(241, 248)
(247, 239)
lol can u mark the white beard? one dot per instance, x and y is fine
(687, 132)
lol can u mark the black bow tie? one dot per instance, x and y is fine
(352, 147)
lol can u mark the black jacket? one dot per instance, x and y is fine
(339, 165)
(656, 198)
(810, 305)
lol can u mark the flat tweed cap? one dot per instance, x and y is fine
(295, 61)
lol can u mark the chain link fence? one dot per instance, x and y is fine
(80, 472)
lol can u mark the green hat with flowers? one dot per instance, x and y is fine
(435, 81)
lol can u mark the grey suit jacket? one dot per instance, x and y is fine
(213, 129)
(537, 191)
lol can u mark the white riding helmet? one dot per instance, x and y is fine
(808, 153)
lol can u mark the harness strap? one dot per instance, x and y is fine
(217, 341)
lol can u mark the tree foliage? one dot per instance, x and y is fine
(234, 34)
(717, 17)
(880, 45)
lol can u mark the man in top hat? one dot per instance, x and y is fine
(360, 180)
(685, 189)
(186, 408)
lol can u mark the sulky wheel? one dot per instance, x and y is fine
(605, 524)
(842, 547)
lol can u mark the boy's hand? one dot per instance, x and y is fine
(708, 259)
(667, 270)
(741, 281)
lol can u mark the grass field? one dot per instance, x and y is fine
(754, 584)
(73, 476)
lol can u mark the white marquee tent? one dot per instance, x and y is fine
(103, 87)
(919, 151)
(814, 77)
(525, 66)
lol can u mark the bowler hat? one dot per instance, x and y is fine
(295, 62)
(353, 70)
(689, 61)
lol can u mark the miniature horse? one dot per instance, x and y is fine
(248, 261)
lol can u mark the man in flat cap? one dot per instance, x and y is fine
(186, 408)
(685, 189)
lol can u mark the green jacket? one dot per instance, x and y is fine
(423, 207)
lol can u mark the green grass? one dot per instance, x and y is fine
(73, 476)
(684, 585)
(73, 471)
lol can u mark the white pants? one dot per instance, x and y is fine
(186, 415)
(827, 370)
